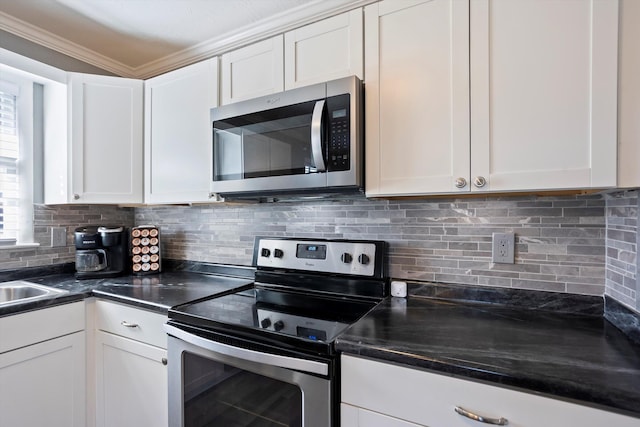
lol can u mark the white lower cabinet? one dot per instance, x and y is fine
(354, 416)
(132, 383)
(42, 373)
(131, 371)
(376, 394)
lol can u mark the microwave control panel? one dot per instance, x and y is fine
(339, 152)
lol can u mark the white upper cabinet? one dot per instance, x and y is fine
(417, 96)
(178, 133)
(253, 71)
(322, 51)
(490, 95)
(325, 50)
(105, 140)
(629, 95)
(543, 93)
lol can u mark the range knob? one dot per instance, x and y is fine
(346, 258)
(278, 325)
(265, 323)
(265, 252)
(278, 253)
(363, 259)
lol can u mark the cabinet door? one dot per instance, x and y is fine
(178, 133)
(253, 71)
(543, 93)
(351, 416)
(44, 384)
(324, 50)
(629, 95)
(106, 139)
(131, 383)
(417, 96)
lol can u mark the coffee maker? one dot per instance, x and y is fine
(101, 251)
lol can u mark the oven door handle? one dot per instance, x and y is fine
(249, 355)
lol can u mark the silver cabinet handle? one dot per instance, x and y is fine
(316, 136)
(461, 182)
(164, 361)
(495, 421)
(479, 181)
(76, 196)
(128, 325)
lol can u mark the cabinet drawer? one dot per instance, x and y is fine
(36, 326)
(429, 399)
(131, 322)
(358, 417)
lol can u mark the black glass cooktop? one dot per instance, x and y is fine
(275, 313)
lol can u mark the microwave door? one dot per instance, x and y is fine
(228, 157)
(278, 149)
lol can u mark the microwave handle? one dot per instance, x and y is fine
(316, 136)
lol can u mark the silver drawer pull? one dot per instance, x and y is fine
(498, 422)
(128, 325)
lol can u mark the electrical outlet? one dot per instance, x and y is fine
(503, 248)
(58, 236)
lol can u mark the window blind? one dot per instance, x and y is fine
(9, 155)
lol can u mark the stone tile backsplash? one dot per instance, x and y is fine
(571, 244)
(68, 216)
(560, 241)
(623, 239)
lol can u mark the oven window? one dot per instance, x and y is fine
(216, 394)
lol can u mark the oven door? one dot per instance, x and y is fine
(213, 383)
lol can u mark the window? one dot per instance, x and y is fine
(9, 151)
(16, 159)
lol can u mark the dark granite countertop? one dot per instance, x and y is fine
(154, 292)
(575, 357)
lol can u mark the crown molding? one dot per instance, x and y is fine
(295, 18)
(49, 40)
(278, 24)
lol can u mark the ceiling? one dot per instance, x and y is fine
(143, 38)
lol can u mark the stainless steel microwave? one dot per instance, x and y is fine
(301, 141)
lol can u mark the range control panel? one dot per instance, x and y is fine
(337, 257)
(304, 327)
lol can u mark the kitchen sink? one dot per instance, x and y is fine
(20, 291)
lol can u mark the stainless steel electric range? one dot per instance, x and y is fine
(264, 354)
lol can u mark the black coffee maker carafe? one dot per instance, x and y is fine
(101, 251)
